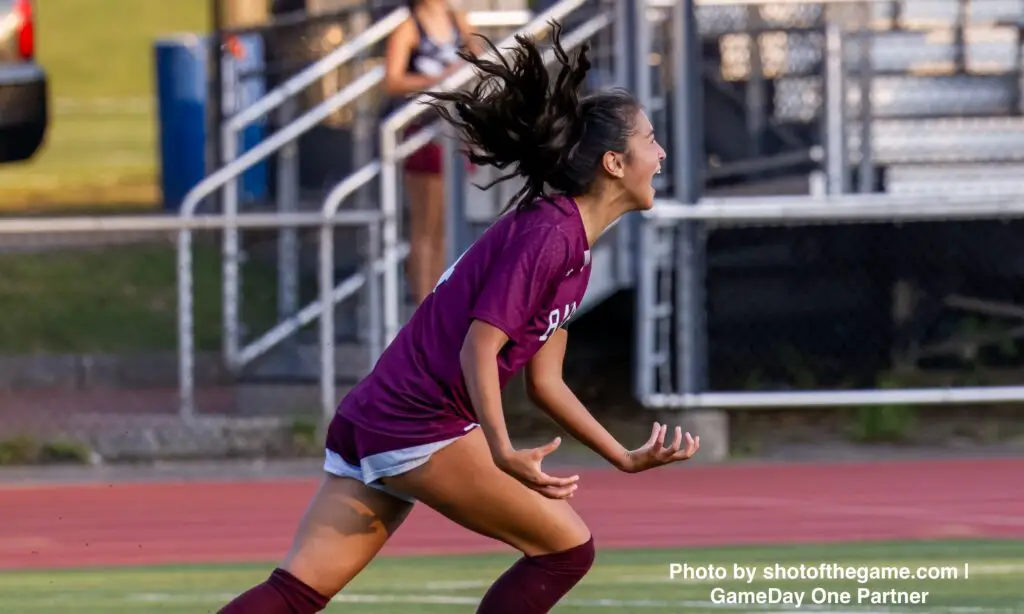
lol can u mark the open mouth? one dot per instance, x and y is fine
(656, 173)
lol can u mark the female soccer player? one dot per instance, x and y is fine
(426, 425)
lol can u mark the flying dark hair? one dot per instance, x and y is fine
(516, 117)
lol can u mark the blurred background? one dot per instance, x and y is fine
(832, 273)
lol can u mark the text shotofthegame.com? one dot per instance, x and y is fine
(832, 573)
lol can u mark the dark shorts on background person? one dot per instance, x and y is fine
(429, 159)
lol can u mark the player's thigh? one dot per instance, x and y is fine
(462, 482)
(344, 527)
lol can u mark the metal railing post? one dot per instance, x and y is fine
(456, 205)
(643, 375)
(327, 363)
(865, 68)
(688, 137)
(638, 49)
(186, 362)
(835, 110)
(230, 255)
(625, 76)
(287, 202)
(389, 232)
(373, 291)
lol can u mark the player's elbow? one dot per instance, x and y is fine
(392, 84)
(540, 388)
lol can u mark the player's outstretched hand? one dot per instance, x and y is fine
(524, 465)
(654, 453)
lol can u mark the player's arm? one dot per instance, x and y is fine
(468, 35)
(479, 362)
(548, 390)
(517, 286)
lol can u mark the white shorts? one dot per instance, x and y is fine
(386, 464)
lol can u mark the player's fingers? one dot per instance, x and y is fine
(666, 455)
(543, 479)
(547, 448)
(692, 445)
(662, 431)
(654, 435)
(677, 440)
(555, 490)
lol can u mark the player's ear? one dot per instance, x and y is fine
(614, 164)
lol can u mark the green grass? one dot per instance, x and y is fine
(622, 581)
(101, 147)
(119, 299)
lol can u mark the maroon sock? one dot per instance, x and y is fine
(282, 593)
(536, 583)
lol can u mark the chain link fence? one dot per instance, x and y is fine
(872, 305)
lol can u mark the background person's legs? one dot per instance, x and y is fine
(463, 483)
(345, 526)
(427, 259)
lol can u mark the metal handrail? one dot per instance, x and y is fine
(206, 187)
(498, 19)
(172, 223)
(372, 35)
(277, 96)
(841, 207)
(233, 354)
(319, 69)
(280, 138)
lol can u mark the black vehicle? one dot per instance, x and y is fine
(23, 84)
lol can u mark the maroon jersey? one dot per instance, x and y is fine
(526, 275)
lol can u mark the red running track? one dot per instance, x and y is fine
(162, 523)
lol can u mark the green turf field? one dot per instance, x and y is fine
(120, 299)
(101, 147)
(622, 581)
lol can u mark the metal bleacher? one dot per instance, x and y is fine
(944, 77)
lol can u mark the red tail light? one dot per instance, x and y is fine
(26, 33)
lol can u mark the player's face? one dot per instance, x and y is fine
(644, 163)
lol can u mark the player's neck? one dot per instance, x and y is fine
(598, 213)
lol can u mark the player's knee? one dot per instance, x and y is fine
(575, 561)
